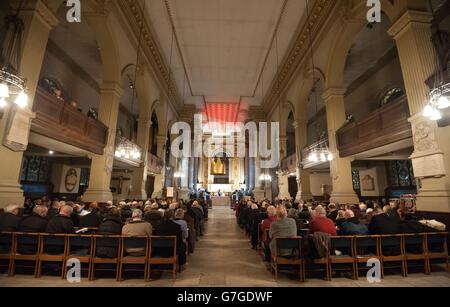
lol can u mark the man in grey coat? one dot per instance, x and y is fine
(283, 228)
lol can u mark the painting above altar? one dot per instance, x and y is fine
(217, 167)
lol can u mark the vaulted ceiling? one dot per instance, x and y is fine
(224, 51)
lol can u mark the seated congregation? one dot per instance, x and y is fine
(338, 239)
(151, 236)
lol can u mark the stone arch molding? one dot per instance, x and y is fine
(93, 13)
(354, 20)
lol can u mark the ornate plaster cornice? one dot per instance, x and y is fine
(299, 48)
(135, 18)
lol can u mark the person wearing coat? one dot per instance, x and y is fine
(169, 228)
(92, 219)
(153, 216)
(111, 225)
(35, 223)
(61, 224)
(283, 228)
(352, 226)
(137, 227)
(10, 219)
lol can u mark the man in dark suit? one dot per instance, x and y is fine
(35, 223)
(10, 220)
(169, 228)
(385, 223)
(61, 223)
(93, 219)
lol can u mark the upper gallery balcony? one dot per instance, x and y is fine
(61, 121)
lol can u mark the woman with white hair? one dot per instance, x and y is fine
(179, 219)
(284, 227)
(320, 222)
(9, 219)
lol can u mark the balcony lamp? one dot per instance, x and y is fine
(439, 98)
(12, 85)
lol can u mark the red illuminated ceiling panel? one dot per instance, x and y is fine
(222, 112)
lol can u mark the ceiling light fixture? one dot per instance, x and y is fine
(439, 97)
(319, 152)
(12, 85)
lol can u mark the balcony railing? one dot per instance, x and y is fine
(62, 122)
(154, 164)
(386, 125)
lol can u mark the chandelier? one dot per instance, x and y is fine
(12, 85)
(178, 175)
(319, 152)
(439, 98)
(127, 150)
(320, 155)
(265, 177)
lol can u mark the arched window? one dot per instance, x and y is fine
(391, 95)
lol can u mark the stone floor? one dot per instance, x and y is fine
(223, 258)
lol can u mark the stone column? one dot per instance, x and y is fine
(102, 165)
(260, 186)
(161, 141)
(340, 168)
(303, 175)
(139, 179)
(431, 157)
(38, 20)
(184, 188)
(283, 178)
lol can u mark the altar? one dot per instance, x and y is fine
(223, 201)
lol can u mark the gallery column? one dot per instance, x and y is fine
(431, 156)
(161, 141)
(102, 165)
(139, 179)
(283, 178)
(303, 175)
(340, 168)
(38, 20)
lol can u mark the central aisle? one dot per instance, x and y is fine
(223, 256)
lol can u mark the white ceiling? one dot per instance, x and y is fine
(224, 44)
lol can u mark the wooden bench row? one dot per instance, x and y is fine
(39, 248)
(401, 249)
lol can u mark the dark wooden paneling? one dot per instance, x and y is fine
(386, 125)
(62, 122)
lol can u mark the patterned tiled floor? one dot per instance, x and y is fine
(223, 257)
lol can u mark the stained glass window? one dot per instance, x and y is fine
(401, 174)
(35, 169)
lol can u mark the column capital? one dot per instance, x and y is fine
(161, 139)
(44, 14)
(333, 92)
(112, 87)
(417, 17)
(145, 121)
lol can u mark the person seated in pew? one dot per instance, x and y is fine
(36, 222)
(54, 209)
(10, 219)
(332, 212)
(92, 219)
(62, 223)
(169, 228)
(111, 224)
(351, 225)
(320, 223)
(284, 227)
(264, 227)
(387, 222)
(179, 219)
(137, 227)
(153, 215)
